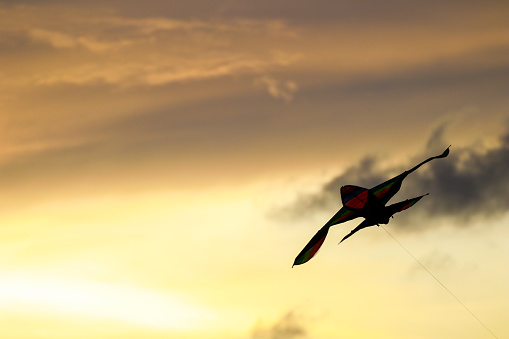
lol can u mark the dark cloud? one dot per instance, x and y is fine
(469, 184)
(365, 174)
(287, 327)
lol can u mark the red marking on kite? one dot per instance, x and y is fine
(358, 201)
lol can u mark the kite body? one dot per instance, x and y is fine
(369, 204)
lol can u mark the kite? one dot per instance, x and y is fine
(366, 203)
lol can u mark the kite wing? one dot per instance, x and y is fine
(312, 247)
(316, 242)
(403, 205)
(362, 225)
(386, 190)
(343, 215)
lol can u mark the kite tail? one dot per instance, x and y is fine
(312, 247)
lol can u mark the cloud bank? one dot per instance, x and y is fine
(469, 184)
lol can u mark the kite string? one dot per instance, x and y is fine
(448, 290)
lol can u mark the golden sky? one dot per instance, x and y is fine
(163, 162)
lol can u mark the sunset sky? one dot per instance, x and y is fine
(163, 162)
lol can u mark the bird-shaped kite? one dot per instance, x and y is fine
(366, 203)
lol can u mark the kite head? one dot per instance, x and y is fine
(446, 153)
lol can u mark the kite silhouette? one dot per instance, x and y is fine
(366, 203)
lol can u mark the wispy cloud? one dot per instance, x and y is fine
(278, 89)
(55, 39)
(289, 326)
(155, 50)
(142, 51)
